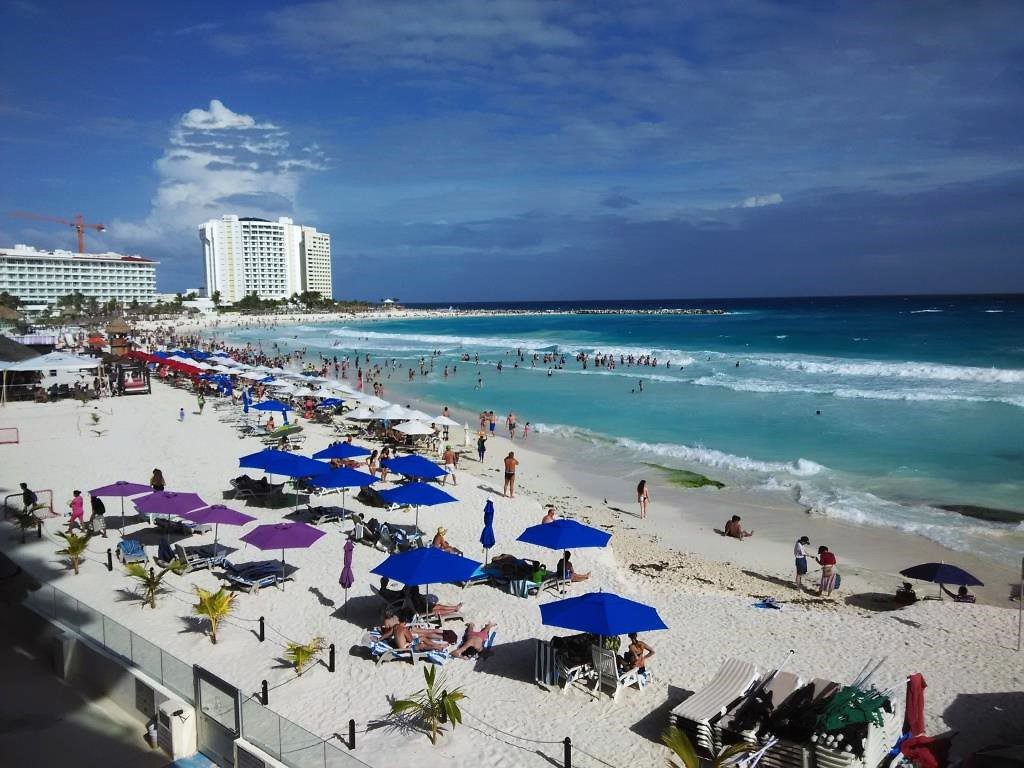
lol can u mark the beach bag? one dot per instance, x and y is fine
(837, 580)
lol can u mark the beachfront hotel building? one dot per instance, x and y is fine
(42, 277)
(273, 259)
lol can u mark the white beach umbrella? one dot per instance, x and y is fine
(375, 402)
(394, 412)
(307, 392)
(362, 413)
(444, 421)
(414, 428)
(420, 416)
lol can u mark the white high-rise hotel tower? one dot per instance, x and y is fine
(273, 259)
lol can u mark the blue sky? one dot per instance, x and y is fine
(466, 150)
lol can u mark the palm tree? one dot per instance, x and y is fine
(431, 706)
(214, 606)
(300, 654)
(75, 548)
(26, 521)
(680, 744)
(150, 580)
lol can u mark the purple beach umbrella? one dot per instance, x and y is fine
(347, 578)
(121, 488)
(217, 514)
(282, 536)
(169, 503)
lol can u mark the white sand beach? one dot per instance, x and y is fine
(703, 585)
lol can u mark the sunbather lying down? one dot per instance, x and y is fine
(429, 604)
(473, 643)
(402, 636)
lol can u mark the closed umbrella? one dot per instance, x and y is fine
(487, 534)
(417, 495)
(601, 613)
(347, 578)
(121, 488)
(282, 536)
(217, 514)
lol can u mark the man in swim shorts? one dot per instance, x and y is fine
(511, 462)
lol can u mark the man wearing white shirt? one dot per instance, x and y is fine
(801, 560)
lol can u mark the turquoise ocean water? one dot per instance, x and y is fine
(921, 399)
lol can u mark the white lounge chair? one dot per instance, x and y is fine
(608, 675)
(549, 669)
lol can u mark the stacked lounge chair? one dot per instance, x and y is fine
(748, 720)
(696, 716)
(792, 723)
(875, 740)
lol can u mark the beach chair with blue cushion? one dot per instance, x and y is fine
(383, 652)
(252, 577)
(608, 674)
(131, 551)
(196, 560)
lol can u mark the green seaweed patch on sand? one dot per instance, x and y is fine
(684, 478)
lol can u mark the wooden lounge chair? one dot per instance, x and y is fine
(608, 675)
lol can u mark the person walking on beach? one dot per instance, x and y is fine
(481, 445)
(510, 422)
(526, 430)
(827, 561)
(511, 462)
(156, 482)
(800, 555)
(492, 422)
(643, 498)
(181, 414)
(77, 505)
(98, 521)
(450, 459)
(28, 498)
(201, 402)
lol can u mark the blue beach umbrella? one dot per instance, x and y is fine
(343, 478)
(277, 462)
(342, 451)
(601, 613)
(487, 534)
(941, 573)
(414, 466)
(564, 534)
(417, 495)
(426, 565)
(274, 405)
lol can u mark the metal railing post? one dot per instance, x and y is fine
(265, 694)
(110, 560)
(330, 658)
(567, 757)
(351, 734)
(263, 633)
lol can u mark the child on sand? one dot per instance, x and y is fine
(77, 505)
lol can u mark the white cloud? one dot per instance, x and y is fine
(218, 161)
(758, 201)
(218, 117)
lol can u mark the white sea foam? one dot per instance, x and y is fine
(994, 311)
(782, 336)
(904, 370)
(907, 395)
(925, 311)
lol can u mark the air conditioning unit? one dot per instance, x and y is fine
(176, 728)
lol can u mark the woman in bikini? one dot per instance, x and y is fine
(637, 654)
(643, 498)
(475, 639)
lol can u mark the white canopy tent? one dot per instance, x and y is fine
(52, 361)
